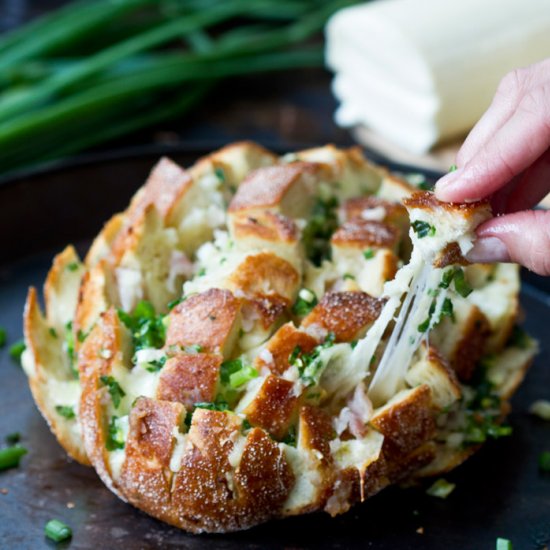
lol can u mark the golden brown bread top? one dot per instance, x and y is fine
(346, 314)
(360, 233)
(207, 319)
(268, 226)
(190, 378)
(280, 347)
(164, 188)
(217, 470)
(393, 212)
(426, 200)
(266, 187)
(273, 406)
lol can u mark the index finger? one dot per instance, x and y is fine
(513, 148)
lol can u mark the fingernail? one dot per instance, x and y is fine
(487, 250)
(446, 182)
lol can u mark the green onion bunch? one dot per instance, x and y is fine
(98, 69)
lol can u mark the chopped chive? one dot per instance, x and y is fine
(201, 272)
(461, 286)
(13, 438)
(441, 488)
(73, 266)
(423, 229)
(423, 327)
(368, 254)
(81, 335)
(10, 456)
(242, 376)
(220, 174)
(453, 168)
(195, 348)
(519, 338)
(53, 332)
(544, 462)
(66, 411)
(447, 278)
(156, 364)
(3, 337)
(16, 350)
(246, 425)
(57, 530)
(117, 393)
(115, 436)
(447, 309)
(69, 342)
(504, 544)
(349, 276)
(171, 305)
(228, 368)
(218, 406)
(305, 302)
(290, 438)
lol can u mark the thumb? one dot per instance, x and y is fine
(523, 237)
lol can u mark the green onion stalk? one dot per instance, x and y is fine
(164, 61)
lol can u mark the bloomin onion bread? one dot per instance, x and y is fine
(262, 336)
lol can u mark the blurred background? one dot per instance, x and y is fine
(405, 78)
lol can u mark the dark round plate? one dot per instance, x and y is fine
(499, 493)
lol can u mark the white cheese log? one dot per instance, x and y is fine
(420, 71)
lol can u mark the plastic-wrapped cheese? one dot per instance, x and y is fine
(420, 71)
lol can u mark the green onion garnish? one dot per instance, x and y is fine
(544, 462)
(156, 364)
(441, 488)
(16, 350)
(368, 254)
(57, 530)
(69, 342)
(66, 411)
(117, 393)
(423, 229)
(228, 368)
(195, 348)
(453, 168)
(10, 456)
(115, 436)
(305, 303)
(504, 544)
(349, 276)
(290, 438)
(3, 337)
(447, 309)
(519, 338)
(447, 278)
(148, 329)
(242, 376)
(13, 438)
(220, 174)
(73, 266)
(171, 305)
(423, 327)
(218, 406)
(461, 286)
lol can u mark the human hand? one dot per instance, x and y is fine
(506, 158)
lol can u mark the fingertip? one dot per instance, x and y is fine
(488, 250)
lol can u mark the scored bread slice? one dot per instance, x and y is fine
(259, 337)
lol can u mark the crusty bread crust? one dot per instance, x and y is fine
(232, 415)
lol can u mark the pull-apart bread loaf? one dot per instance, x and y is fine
(261, 336)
